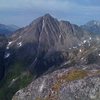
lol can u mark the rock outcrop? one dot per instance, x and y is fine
(64, 84)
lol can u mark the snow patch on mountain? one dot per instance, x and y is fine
(19, 44)
(42, 86)
(7, 55)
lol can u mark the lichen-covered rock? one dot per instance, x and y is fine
(63, 84)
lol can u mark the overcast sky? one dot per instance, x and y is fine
(22, 12)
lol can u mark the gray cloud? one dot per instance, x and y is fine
(22, 12)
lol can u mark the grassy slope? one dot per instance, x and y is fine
(16, 79)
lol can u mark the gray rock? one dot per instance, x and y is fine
(65, 84)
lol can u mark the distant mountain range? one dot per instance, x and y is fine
(7, 29)
(92, 27)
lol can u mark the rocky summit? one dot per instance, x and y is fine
(65, 84)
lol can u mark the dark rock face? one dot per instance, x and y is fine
(3, 42)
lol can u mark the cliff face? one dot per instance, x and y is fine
(34, 44)
(64, 84)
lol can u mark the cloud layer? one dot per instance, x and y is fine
(22, 12)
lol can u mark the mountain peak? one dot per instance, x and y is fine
(40, 19)
(93, 22)
(47, 15)
(92, 26)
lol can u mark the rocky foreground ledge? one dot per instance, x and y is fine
(64, 84)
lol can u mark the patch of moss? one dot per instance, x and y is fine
(71, 76)
(98, 72)
(56, 86)
(38, 98)
(75, 75)
(51, 98)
